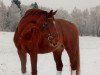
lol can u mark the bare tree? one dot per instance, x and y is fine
(3, 16)
(14, 16)
(76, 17)
(63, 14)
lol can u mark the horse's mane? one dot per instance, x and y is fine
(35, 12)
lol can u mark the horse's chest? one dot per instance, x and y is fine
(44, 44)
(45, 47)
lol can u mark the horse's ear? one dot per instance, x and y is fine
(51, 13)
(54, 12)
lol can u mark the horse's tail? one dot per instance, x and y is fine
(78, 62)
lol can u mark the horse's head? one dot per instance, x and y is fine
(53, 35)
(47, 25)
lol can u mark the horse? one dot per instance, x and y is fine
(39, 32)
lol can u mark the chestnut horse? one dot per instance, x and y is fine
(39, 32)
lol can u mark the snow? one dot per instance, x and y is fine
(89, 54)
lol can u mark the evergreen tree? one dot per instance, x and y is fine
(77, 19)
(34, 5)
(3, 16)
(63, 14)
(24, 8)
(86, 22)
(17, 2)
(95, 20)
(14, 16)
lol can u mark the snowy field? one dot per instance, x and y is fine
(89, 53)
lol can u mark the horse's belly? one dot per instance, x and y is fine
(42, 51)
(46, 48)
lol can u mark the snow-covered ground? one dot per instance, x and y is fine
(89, 52)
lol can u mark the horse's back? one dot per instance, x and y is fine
(67, 27)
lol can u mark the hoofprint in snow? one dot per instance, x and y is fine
(10, 64)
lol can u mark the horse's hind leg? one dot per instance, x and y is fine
(57, 57)
(73, 52)
(23, 59)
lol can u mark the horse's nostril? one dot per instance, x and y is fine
(54, 44)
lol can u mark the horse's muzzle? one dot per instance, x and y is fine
(51, 41)
(53, 44)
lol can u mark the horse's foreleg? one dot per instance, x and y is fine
(23, 59)
(57, 57)
(33, 57)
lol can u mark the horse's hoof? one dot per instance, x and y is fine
(59, 72)
(73, 72)
(24, 74)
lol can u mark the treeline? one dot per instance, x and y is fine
(87, 21)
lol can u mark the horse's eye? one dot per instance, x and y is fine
(49, 34)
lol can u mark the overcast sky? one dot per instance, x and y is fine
(55, 4)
